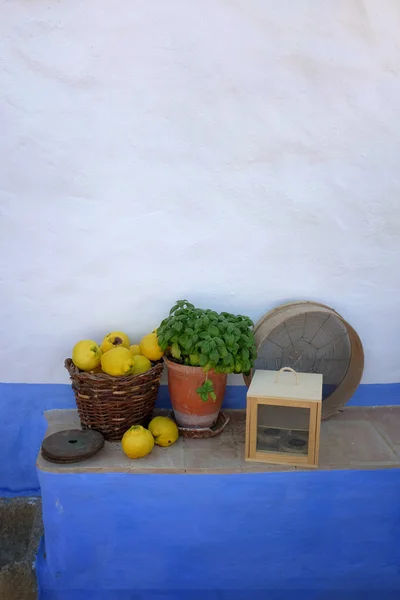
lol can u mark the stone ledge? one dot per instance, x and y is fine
(357, 438)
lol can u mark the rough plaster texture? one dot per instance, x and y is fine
(21, 530)
(236, 153)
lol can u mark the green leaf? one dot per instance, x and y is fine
(213, 396)
(214, 357)
(180, 317)
(203, 360)
(165, 332)
(220, 342)
(183, 339)
(236, 332)
(206, 347)
(245, 341)
(194, 359)
(246, 366)
(174, 308)
(178, 326)
(208, 385)
(238, 367)
(212, 313)
(229, 339)
(212, 330)
(204, 335)
(197, 326)
(206, 389)
(189, 346)
(176, 351)
(222, 351)
(228, 360)
(234, 348)
(180, 304)
(245, 354)
(249, 321)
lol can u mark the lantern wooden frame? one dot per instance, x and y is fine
(306, 392)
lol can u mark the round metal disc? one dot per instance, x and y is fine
(72, 445)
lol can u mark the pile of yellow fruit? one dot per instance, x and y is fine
(139, 441)
(116, 356)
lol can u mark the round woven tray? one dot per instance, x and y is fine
(111, 405)
(312, 338)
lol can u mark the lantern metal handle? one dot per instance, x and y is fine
(287, 369)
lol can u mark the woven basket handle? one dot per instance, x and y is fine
(287, 370)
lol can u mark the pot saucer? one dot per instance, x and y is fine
(206, 432)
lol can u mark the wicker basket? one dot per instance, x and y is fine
(112, 404)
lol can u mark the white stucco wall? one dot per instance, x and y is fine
(237, 153)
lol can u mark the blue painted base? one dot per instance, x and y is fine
(318, 535)
(23, 425)
(265, 594)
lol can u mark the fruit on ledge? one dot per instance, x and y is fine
(137, 442)
(164, 431)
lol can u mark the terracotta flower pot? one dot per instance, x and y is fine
(190, 410)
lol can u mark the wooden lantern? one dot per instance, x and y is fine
(283, 417)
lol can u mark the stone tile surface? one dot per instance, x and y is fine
(355, 442)
(386, 420)
(237, 425)
(355, 438)
(111, 458)
(217, 454)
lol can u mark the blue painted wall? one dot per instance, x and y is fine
(272, 535)
(22, 425)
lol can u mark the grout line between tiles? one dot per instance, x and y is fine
(383, 437)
